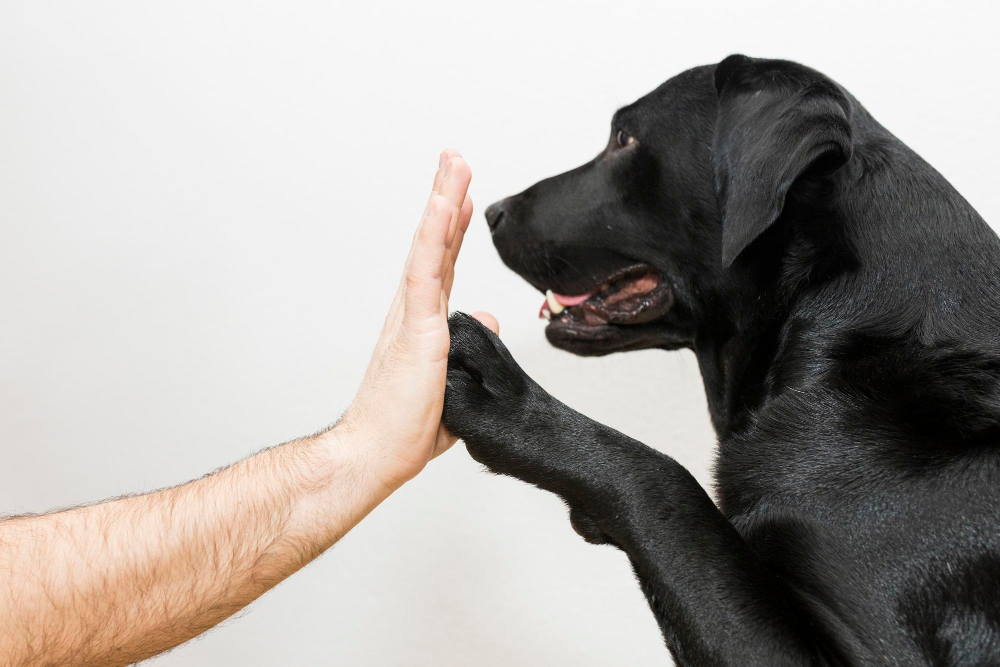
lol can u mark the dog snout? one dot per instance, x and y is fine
(495, 214)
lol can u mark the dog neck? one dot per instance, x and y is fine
(852, 265)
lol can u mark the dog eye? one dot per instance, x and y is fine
(624, 138)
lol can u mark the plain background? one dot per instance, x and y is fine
(204, 207)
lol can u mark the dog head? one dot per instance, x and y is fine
(638, 246)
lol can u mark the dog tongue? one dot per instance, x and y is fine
(565, 300)
(572, 300)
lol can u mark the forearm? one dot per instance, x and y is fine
(117, 582)
(123, 580)
(714, 600)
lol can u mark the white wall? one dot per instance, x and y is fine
(204, 207)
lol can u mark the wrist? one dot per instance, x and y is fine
(356, 457)
(366, 445)
(333, 484)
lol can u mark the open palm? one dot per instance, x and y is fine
(398, 407)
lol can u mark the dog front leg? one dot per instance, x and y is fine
(715, 602)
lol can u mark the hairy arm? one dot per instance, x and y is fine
(117, 582)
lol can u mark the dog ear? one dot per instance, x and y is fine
(776, 121)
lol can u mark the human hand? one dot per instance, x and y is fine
(397, 411)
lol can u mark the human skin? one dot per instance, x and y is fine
(120, 581)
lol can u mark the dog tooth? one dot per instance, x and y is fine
(554, 304)
(547, 314)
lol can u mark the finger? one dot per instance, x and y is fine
(466, 214)
(395, 311)
(393, 317)
(423, 282)
(395, 314)
(455, 184)
(457, 176)
(456, 244)
(439, 176)
(449, 279)
(488, 321)
(446, 155)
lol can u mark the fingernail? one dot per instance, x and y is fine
(442, 160)
(447, 169)
(431, 207)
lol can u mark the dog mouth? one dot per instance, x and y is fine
(636, 295)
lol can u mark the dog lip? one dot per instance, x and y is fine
(595, 341)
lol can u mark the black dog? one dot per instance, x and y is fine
(843, 301)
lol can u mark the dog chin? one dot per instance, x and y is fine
(588, 340)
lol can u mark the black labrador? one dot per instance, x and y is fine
(843, 302)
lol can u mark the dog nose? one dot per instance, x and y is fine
(494, 214)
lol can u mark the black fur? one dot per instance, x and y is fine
(843, 301)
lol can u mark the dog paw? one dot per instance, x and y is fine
(514, 427)
(485, 385)
(487, 396)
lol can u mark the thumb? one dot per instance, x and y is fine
(488, 321)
